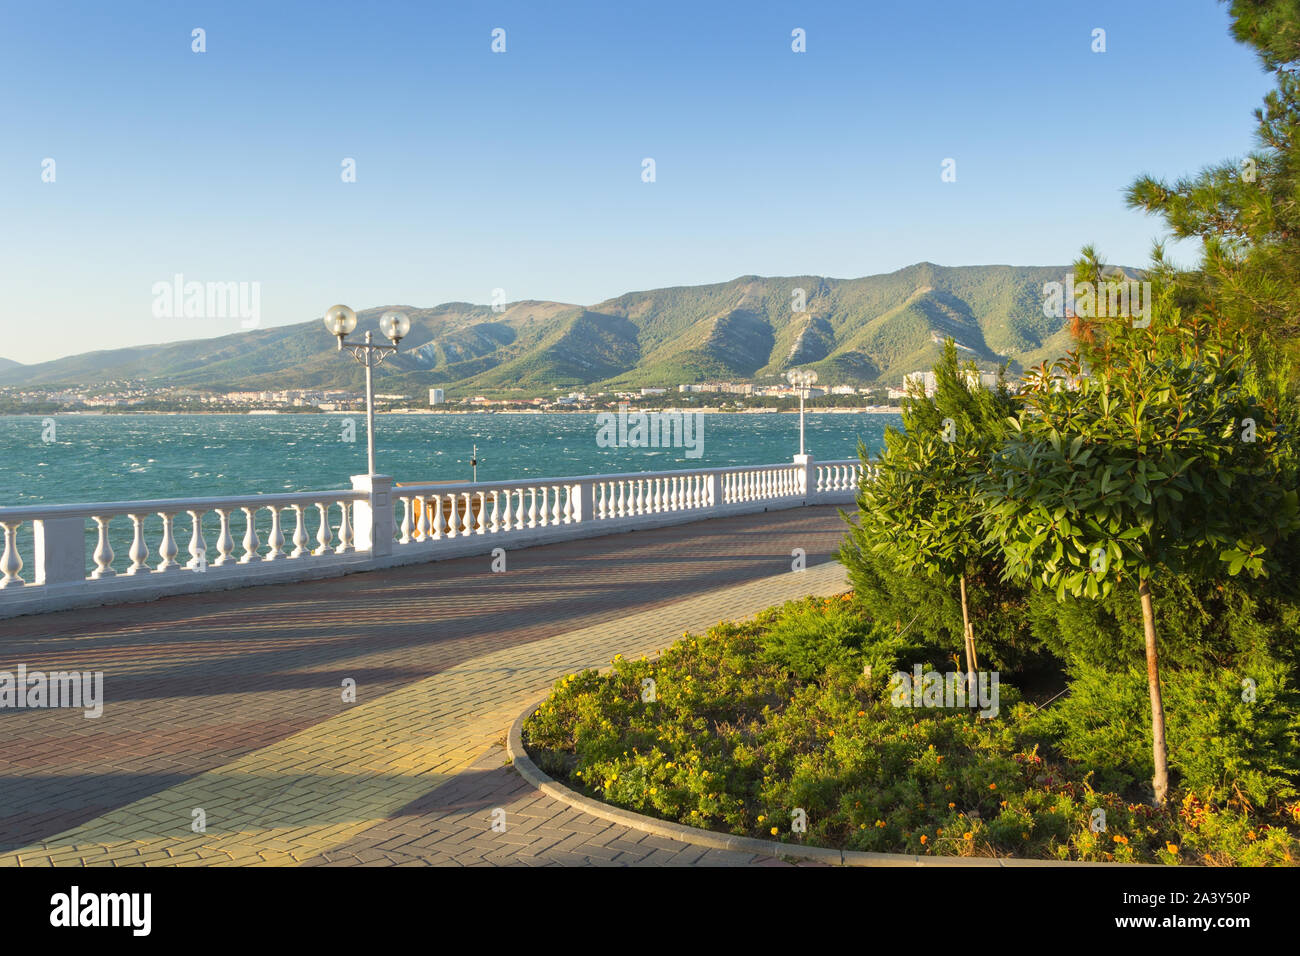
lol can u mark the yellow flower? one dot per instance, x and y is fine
(773, 831)
(761, 818)
(880, 824)
(968, 835)
(1171, 847)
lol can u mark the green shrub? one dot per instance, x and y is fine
(1223, 747)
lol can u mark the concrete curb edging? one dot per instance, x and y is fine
(720, 841)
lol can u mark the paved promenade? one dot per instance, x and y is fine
(232, 704)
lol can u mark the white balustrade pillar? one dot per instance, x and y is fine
(372, 516)
(60, 550)
(806, 470)
(585, 499)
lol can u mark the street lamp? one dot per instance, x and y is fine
(341, 320)
(801, 378)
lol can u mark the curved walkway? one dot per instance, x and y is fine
(229, 707)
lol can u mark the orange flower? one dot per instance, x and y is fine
(993, 786)
(924, 839)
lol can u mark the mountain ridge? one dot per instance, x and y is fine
(872, 329)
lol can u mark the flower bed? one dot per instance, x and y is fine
(749, 724)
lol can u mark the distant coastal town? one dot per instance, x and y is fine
(141, 396)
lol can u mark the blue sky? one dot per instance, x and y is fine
(522, 170)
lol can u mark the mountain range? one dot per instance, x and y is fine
(852, 331)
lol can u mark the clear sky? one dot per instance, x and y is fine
(522, 170)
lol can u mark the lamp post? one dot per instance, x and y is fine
(341, 320)
(801, 378)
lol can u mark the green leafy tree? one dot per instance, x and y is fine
(918, 504)
(1157, 458)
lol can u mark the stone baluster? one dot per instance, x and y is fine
(480, 520)
(275, 541)
(406, 519)
(555, 505)
(453, 521)
(300, 539)
(345, 530)
(467, 519)
(11, 562)
(424, 527)
(225, 543)
(139, 552)
(439, 522)
(167, 549)
(324, 535)
(198, 545)
(519, 514)
(544, 510)
(103, 550)
(252, 543)
(495, 525)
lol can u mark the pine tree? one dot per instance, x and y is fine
(1245, 212)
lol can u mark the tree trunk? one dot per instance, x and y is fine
(1160, 782)
(968, 633)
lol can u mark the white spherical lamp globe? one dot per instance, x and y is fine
(340, 320)
(395, 325)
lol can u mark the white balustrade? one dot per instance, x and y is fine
(449, 517)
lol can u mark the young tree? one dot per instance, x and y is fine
(918, 503)
(1159, 458)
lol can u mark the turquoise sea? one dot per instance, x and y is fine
(125, 457)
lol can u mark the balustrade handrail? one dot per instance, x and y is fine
(177, 505)
(404, 489)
